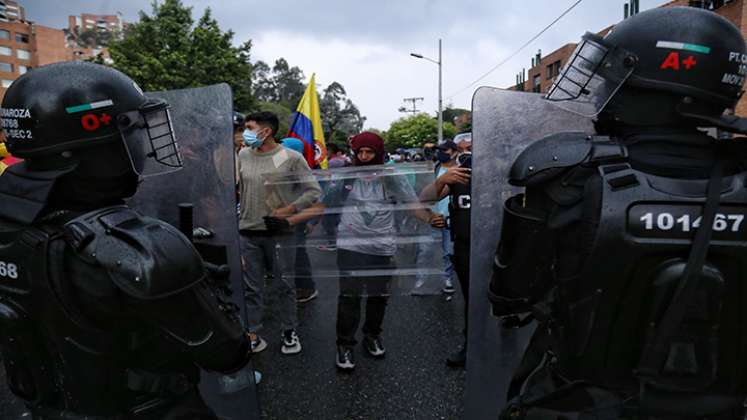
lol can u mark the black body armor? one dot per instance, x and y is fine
(594, 251)
(460, 207)
(108, 314)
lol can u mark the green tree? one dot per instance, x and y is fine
(451, 113)
(414, 131)
(167, 50)
(282, 83)
(282, 112)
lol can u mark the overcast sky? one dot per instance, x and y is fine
(365, 45)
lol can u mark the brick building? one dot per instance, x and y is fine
(25, 45)
(540, 76)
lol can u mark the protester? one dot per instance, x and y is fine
(446, 154)
(305, 285)
(429, 151)
(337, 158)
(266, 227)
(365, 242)
(329, 221)
(464, 142)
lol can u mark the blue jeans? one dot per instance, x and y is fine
(425, 258)
(281, 251)
(447, 247)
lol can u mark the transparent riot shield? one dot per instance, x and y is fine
(504, 124)
(374, 220)
(201, 199)
(365, 248)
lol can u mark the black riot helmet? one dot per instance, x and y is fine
(665, 64)
(73, 107)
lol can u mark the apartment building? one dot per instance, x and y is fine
(10, 11)
(540, 76)
(25, 45)
(85, 33)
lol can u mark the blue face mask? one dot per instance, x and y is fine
(443, 157)
(251, 139)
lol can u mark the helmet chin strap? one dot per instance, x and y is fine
(730, 123)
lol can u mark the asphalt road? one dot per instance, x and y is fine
(412, 382)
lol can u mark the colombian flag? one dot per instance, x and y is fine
(5, 158)
(307, 127)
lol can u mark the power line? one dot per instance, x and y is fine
(515, 53)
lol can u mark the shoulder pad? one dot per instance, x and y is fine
(544, 158)
(146, 258)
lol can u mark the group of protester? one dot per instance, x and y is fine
(273, 224)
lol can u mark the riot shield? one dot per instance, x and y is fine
(202, 122)
(366, 213)
(504, 124)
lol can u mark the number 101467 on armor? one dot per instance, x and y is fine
(680, 221)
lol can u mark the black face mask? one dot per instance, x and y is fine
(104, 177)
(443, 157)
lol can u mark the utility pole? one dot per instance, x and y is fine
(440, 98)
(414, 109)
(440, 90)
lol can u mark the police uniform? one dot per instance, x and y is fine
(104, 313)
(638, 308)
(460, 203)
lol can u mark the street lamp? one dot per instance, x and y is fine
(440, 99)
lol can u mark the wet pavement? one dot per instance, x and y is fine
(412, 382)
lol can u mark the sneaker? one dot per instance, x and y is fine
(374, 346)
(291, 343)
(458, 358)
(257, 377)
(448, 288)
(306, 295)
(328, 248)
(258, 343)
(345, 359)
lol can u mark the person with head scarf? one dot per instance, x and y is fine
(366, 243)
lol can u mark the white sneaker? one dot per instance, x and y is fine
(291, 343)
(258, 343)
(448, 287)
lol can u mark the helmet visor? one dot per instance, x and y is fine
(591, 77)
(149, 138)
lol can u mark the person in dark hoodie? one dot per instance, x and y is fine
(366, 243)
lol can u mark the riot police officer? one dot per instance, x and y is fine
(104, 313)
(456, 184)
(627, 245)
